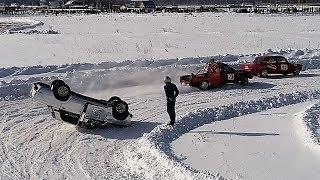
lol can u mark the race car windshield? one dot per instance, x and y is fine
(257, 60)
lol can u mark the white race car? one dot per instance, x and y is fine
(78, 109)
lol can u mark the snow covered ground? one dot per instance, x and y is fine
(262, 145)
(240, 121)
(119, 37)
(30, 134)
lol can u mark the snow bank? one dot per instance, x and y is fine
(84, 77)
(151, 156)
(20, 24)
(310, 60)
(35, 32)
(308, 123)
(20, 88)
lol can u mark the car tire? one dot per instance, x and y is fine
(113, 99)
(120, 110)
(296, 71)
(61, 90)
(264, 73)
(205, 85)
(244, 81)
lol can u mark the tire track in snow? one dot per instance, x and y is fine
(51, 149)
(98, 152)
(9, 163)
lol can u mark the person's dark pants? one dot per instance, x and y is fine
(171, 111)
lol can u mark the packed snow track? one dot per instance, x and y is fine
(34, 145)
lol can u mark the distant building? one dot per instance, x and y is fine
(314, 7)
(51, 3)
(55, 3)
(141, 6)
(75, 5)
(12, 8)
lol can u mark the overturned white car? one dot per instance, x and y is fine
(78, 109)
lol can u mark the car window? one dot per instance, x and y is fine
(257, 60)
(282, 60)
(272, 60)
(226, 68)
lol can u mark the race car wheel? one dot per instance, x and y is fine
(205, 85)
(61, 90)
(120, 110)
(264, 73)
(244, 81)
(113, 99)
(296, 71)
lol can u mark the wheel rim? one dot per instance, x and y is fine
(120, 108)
(204, 85)
(297, 71)
(63, 91)
(264, 73)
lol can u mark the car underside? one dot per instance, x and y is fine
(78, 109)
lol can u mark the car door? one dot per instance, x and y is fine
(214, 74)
(272, 65)
(283, 65)
(227, 73)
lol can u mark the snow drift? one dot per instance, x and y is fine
(85, 77)
(153, 149)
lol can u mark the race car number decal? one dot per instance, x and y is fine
(230, 77)
(284, 67)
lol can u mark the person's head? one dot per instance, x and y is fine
(167, 79)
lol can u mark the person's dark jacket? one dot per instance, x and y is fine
(171, 91)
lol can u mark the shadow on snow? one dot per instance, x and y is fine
(291, 76)
(237, 133)
(136, 130)
(250, 86)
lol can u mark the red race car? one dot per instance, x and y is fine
(265, 65)
(215, 74)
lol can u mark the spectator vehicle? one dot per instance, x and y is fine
(265, 65)
(215, 74)
(78, 109)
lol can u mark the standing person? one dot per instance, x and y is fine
(172, 92)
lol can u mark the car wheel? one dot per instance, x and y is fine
(120, 110)
(264, 73)
(61, 90)
(205, 85)
(296, 71)
(244, 81)
(113, 99)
